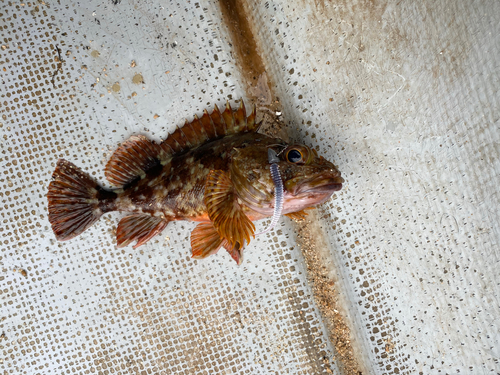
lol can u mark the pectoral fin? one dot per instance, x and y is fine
(140, 227)
(225, 212)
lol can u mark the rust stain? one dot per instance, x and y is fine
(309, 238)
(247, 53)
(251, 64)
(244, 44)
(22, 271)
(253, 70)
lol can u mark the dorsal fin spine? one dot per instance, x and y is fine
(196, 125)
(220, 120)
(205, 113)
(230, 112)
(244, 113)
(240, 118)
(251, 119)
(186, 139)
(201, 130)
(175, 136)
(208, 124)
(190, 133)
(198, 132)
(170, 149)
(204, 133)
(182, 138)
(228, 117)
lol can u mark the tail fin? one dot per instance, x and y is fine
(76, 201)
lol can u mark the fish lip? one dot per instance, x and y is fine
(326, 188)
(320, 185)
(323, 189)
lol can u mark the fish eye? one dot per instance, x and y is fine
(294, 156)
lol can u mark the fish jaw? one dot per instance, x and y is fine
(303, 194)
(295, 203)
(303, 197)
(318, 177)
(323, 184)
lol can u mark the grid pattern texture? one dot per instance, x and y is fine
(78, 78)
(403, 96)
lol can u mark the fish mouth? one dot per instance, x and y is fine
(318, 186)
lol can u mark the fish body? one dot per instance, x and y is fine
(214, 170)
(176, 192)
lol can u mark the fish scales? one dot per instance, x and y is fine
(214, 170)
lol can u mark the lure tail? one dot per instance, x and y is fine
(75, 200)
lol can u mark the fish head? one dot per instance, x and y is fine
(308, 179)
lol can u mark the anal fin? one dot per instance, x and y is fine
(140, 227)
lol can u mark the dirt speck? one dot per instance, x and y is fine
(95, 53)
(138, 79)
(272, 125)
(133, 64)
(22, 272)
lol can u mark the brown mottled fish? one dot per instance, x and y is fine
(214, 170)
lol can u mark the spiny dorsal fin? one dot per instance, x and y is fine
(138, 154)
(132, 159)
(210, 127)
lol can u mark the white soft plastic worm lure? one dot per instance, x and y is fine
(278, 189)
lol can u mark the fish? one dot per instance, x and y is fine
(214, 170)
